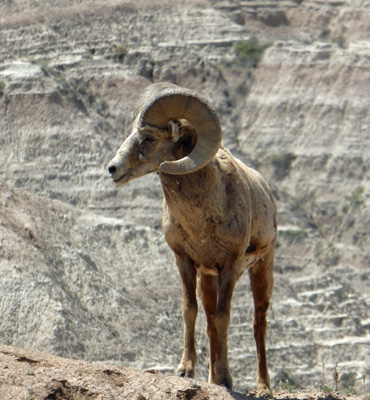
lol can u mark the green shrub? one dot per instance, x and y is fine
(282, 163)
(349, 380)
(2, 87)
(351, 390)
(286, 382)
(356, 197)
(340, 40)
(250, 51)
(325, 388)
(120, 53)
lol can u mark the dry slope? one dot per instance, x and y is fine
(83, 264)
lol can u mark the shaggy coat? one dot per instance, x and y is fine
(220, 221)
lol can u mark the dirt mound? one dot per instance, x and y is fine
(39, 376)
(32, 375)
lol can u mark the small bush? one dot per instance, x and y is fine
(282, 163)
(293, 235)
(286, 382)
(356, 197)
(120, 53)
(351, 390)
(46, 68)
(340, 41)
(287, 386)
(324, 388)
(250, 51)
(2, 87)
(349, 380)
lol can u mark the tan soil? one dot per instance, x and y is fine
(32, 375)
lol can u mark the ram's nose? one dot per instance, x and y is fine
(115, 167)
(117, 172)
(112, 169)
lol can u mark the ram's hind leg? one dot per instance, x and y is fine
(261, 277)
(189, 312)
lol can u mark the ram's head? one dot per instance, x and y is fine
(175, 131)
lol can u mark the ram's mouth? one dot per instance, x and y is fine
(118, 179)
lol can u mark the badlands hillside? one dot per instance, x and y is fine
(84, 270)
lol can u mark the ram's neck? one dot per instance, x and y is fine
(196, 198)
(181, 190)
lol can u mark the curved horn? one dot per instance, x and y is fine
(166, 102)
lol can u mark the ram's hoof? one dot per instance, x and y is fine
(227, 384)
(264, 392)
(186, 372)
(224, 380)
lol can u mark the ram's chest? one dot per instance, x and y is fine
(209, 243)
(206, 215)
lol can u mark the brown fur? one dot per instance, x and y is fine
(219, 221)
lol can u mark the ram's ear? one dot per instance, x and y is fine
(174, 131)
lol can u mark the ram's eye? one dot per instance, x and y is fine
(147, 139)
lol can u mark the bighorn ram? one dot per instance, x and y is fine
(219, 217)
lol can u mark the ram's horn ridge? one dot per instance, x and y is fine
(172, 103)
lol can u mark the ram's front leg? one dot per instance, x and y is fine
(226, 284)
(189, 312)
